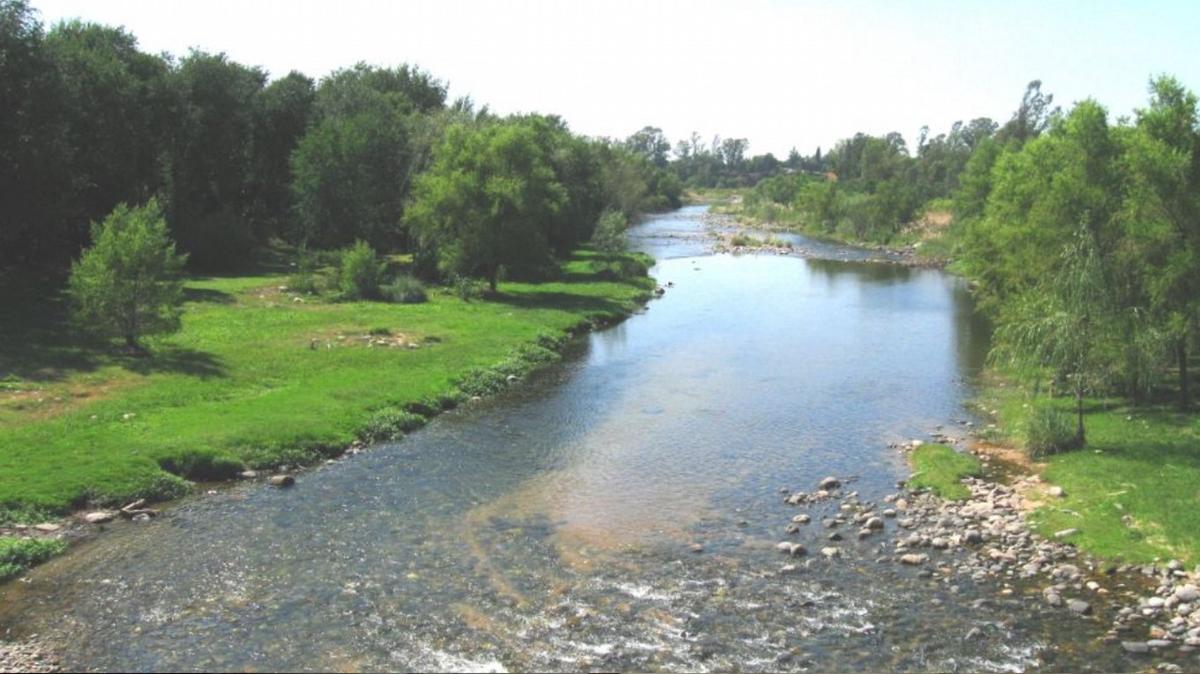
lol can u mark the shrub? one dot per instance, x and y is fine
(201, 466)
(305, 280)
(405, 290)
(610, 232)
(360, 273)
(18, 554)
(468, 288)
(390, 423)
(1050, 431)
(127, 284)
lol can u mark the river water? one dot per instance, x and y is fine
(550, 528)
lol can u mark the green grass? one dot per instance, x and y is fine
(940, 469)
(256, 379)
(18, 554)
(1134, 491)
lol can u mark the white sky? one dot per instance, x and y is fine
(781, 74)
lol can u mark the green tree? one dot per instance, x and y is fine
(1065, 324)
(1163, 214)
(486, 200)
(127, 283)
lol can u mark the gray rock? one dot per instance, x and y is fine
(1079, 606)
(1137, 647)
(1187, 593)
(47, 527)
(830, 483)
(1158, 643)
(99, 517)
(875, 523)
(914, 559)
(248, 474)
(802, 519)
(831, 552)
(1065, 533)
(1056, 491)
(696, 547)
(281, 480)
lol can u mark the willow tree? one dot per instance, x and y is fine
(1067, 325)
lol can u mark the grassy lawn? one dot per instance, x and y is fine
(940, 469)
(1134, 491)
(253, 379)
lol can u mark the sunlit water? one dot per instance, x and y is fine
(549, 528)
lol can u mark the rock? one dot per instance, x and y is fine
(831, 552)
(1056, 491)
(901, 504)
(835, 536)
(784, 546)
(141, 517)
(1065, 533)
(1187, 593)
(797, 550)
(875, 523)
(281, 480)
(47, 527)
(830, 483)
(99, 517)
(802, 519)
(1158, 643)
(248, 474)
(914, 559)
(696, 547)
(511, 379)
(1053, 598)
(1079, 606)
(1136, 647)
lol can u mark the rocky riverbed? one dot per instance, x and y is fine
(30, 655)
(1151, 610)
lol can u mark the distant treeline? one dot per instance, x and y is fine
(235, 159)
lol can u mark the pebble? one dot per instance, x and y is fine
(99, 517)
(281, 480)
(1079, 606)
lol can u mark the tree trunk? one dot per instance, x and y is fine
(493, 278)
(1079, 435)
(1185, 389)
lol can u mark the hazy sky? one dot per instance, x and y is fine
(781, 74)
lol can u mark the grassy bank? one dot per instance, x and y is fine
(1133, 493)
(258, 378)
(940, 469)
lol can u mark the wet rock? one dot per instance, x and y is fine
(802, 519)
(1158, 643)
(1079, 606)
(1053, 598)
(831, 552)
(99, 517)
(1187, 593)
(914, 559)
(830, 483)
(696, 548)
(1136, 647)
(47, 527)
(248, 474)
(835, 536)
(281, 480)
(792, 529)
(512, 379)
(875, 523)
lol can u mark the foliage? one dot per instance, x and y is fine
(305, 279)
(405, 289)
(1050, 431)
(390, 423)
(360, 272)
(126, 285)
(610, 232)
(18, 554)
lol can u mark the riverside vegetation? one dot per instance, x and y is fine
(360, 254)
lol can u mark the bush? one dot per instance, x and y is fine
(201, 466)
(127, 284)
(609, 236)
(305, 280)
(1051, 430)
(405, 290)
(18, 554)
(468, 288)
(390, 423)
(360, 273)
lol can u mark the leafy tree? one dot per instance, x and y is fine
(281, 117)
(126, 284)
(650, 143)
(360, 272)
(486, 200)
(1065, 325)
(1163, 214)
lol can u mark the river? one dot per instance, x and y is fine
(551, 528)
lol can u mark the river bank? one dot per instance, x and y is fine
(294, 382)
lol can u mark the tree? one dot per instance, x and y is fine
(486, 201)
(1163, 214)
(651, 144)
(1065, 325)
(126, 284)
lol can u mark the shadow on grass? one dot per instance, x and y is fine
(38, 343)
(583, 304)
(207, 296)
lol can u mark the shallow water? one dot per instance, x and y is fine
(549, 528)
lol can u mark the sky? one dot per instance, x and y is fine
(781, 74)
